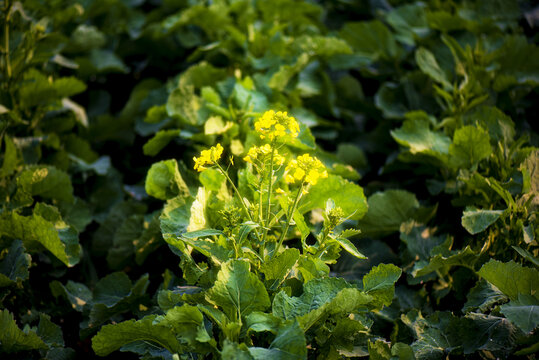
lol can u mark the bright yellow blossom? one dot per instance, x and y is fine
(305, 169)
(208, 157)
(262, 154)
(276, 124)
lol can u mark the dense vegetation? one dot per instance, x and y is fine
(280, 179)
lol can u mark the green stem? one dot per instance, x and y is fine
(7, 11)
(289, 218)
(239, 196)
(270, 189)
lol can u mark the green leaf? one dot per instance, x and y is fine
(350, 247)
(371, 39)
(523, 312)
(409, 22)
(112, 298)
(184, 104)
(76, 293)
(277, 269)
(443, 262)
(45, 181)
(175, 217)
(380, 283)
(122, 249)
(238, 291)
(482, 297)
(13, 339)
(344, 193)
(49, 332)
(234, 351)
(280, 79)
(428, 64)
(44, 229)
(470, 146)
(416, 135)
(11, 157)
(164, 181)
(379, 350)
(188, 324)
(150, 239)
(159, 141)
(527, 255)
(511, 278)
(289, 344)
(202, 233)
(476, 221)
(14, 266)
(212, 179)
(387, 211)
(106, 61)
(113, 337)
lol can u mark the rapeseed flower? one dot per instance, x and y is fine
(305, 169)
(276, 124)
(208, 157)
(262, 154)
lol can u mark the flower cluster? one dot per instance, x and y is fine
(305, 169)
(276, 124)
(208, 157)
(262, 154)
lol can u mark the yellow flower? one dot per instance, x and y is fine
(208, 157)
(262, 154)
(276, 124)
(305, 169)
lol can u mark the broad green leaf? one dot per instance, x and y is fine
(379, 350)
(209, 248)
(159, 141)
(49, 332)
(324, 46)
(402, 351)
(106, 61)
(258, 322)
(511, 278)
(14, 266)
(470, 146)
(387, 211)
(476, 221)
(76, 293)
(428, 64)
(45, 181)
(500, 127)
(175, 216)
(212, 179)
(150, 239)
(238, 291)
(11, 157)
(344, 193)
(380, 283)
(188, 324)
(289, 344)
(184, 104)
(113, 337)
(280, 79)
(112, 289)
(215, 126)
(37, 89)
(420, 240)
(530, 174)
(44, 229)
(409, 22)
(416, 135)
(277, 269)
(197, 220)
(164, 181)
(123, 248)
(482, 297)
(443, 262)
(234, 351)
(110, 300)
(523, 312)
(13, 339)
(250, 100)
(371, 39)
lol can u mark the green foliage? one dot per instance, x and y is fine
(419, 112)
